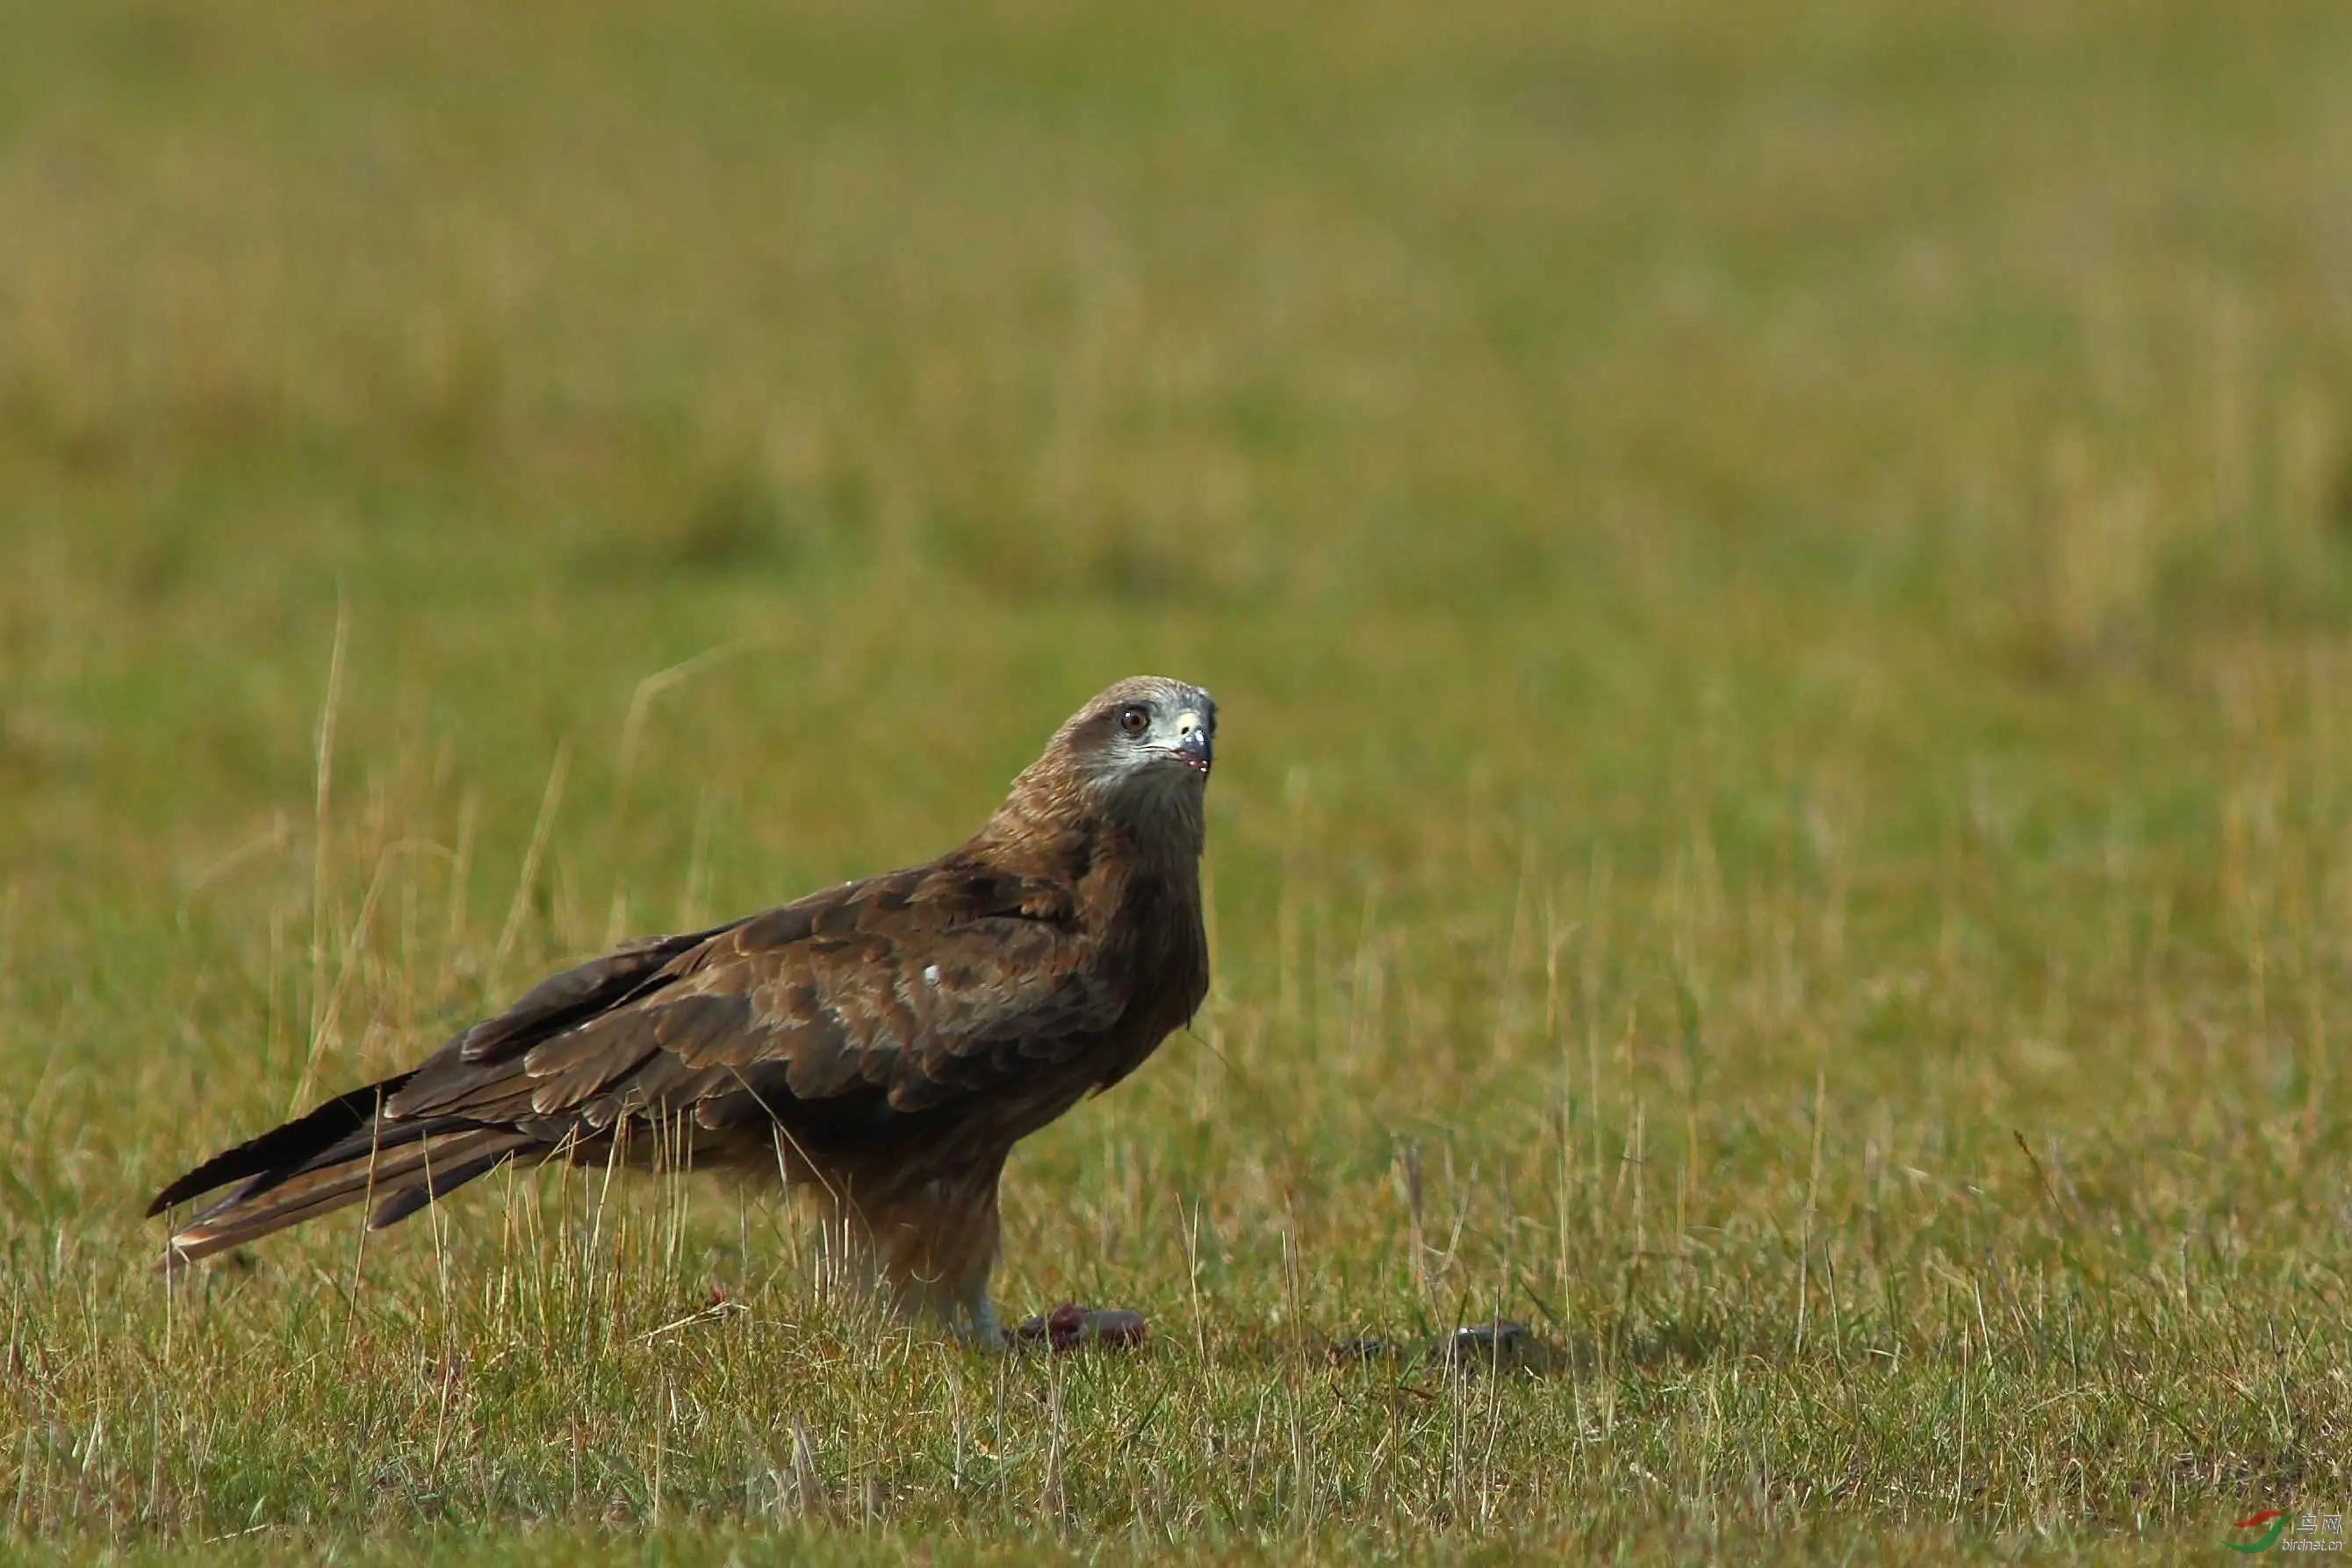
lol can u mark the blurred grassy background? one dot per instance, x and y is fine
(1780, 582)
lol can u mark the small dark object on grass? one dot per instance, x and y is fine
(1505, 1345)
(1485, 1344)
(1069, 1326)
(1473, 1347)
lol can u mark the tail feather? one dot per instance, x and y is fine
(445, 1181)
(284, 1150)
(342, 1153)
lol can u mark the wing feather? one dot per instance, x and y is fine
(917, 987)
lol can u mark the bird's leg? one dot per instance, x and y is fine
(937, 1247)
(976, 1326)
(959, 1302)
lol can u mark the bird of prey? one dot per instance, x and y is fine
(882, 1045)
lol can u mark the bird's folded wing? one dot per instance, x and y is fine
(905, 989)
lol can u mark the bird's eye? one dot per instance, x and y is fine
(1135, 718)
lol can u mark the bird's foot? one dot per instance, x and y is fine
(1069, 1327)
(976, 1328)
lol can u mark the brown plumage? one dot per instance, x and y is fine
(884, 1043)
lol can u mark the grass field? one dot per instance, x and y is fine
(1780, 584)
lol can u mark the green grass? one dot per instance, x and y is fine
(1779, 585)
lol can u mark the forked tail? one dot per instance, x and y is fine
(345, 1151)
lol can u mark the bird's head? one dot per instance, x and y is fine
(1138, 756)
(1147, 734)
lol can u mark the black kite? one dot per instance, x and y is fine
(883, 1043)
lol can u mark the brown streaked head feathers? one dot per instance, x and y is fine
(1135, 761)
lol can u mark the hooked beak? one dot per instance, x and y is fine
(1192, 747)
